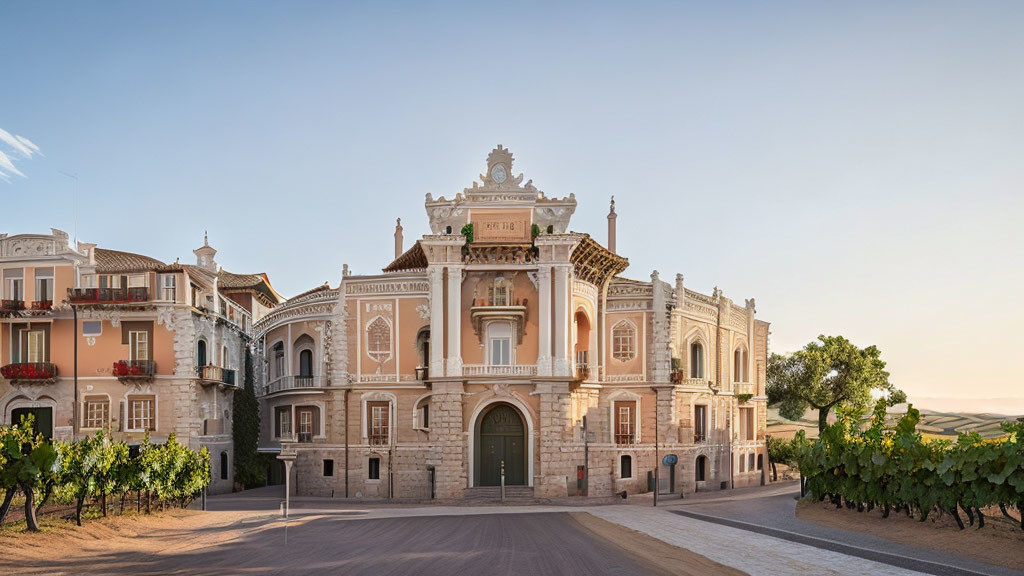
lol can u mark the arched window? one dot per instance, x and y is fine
(499, 344)
(278, 360)
(625, 466)
(223, 465)
(378, 340)
(624, 341)
(201, 352)
(739, 371)
(501, 295)
(696, 360)
(700, 471)
(306, 363)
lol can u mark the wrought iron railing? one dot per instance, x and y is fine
(499, 369)
(625, 438)
(134, 369)
(29, 371)
(584, 371)
(42, 304)
(12, 305)
(108, 295)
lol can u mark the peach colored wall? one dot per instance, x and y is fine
(636, 365)
(409, 325)
(477, 285)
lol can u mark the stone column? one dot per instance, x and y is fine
(560, 363)
(436, 276)
(544, 321)
(454, 366)
(557, 464)
(447, 440)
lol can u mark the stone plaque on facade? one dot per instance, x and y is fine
(501, 226)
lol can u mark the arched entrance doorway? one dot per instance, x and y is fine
(500, 437)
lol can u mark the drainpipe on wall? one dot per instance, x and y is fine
(346, 441)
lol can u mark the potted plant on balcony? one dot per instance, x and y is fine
(121, 368)
(677, 371)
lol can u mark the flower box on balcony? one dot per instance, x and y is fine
(30, 372)
(128, 370)
(42, 305)
(12, 305)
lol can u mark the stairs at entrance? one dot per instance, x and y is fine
(492, 494)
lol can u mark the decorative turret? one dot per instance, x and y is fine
(398, 239)
(611, 225)
(205, 254)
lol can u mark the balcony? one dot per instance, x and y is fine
(488, 309)
(108, 295)
(742, 388)
(12, 305)
(285, 383)
(499, 370)
(40, 305)
(586, 372)
(216, 375)
(134, 370)
(33, 372)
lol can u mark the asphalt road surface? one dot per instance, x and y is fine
(521, 544)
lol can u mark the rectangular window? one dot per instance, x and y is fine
(378, 428)
(374, 469)
(137, 281)
(92, 328)
(89, 281)
(96, 412)
(625, 466)
(15, 289)
(700, 423)
(501, 351)
(141, 413)
(168, 287)
(138, 346)
(328, 467)
(36, 348)
(625, 422)
(747, 423)
(750, 462)
(283, 422)
(306, 417)
(425, 415)
(44, 284)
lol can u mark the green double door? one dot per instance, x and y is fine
(502, 439)
(43, 419)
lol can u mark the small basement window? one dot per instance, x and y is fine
(626, 466)
(374, 469)
(328, 467)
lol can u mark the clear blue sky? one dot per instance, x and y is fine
(857, 168)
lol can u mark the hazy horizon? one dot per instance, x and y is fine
(855, 168)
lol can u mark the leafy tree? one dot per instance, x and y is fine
(28, 460)
(826, 373)
(245, 429)
(780, 451)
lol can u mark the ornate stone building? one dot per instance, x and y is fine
(503, 343)
(160, 347)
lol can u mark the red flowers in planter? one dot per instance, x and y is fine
(124, 368)
(41, 371)
(121, 368)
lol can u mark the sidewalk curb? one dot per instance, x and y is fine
(917, 565)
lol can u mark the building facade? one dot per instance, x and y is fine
(503, 344)
(159, 347)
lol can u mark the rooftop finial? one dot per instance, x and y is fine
(611, 225)
(206, 236)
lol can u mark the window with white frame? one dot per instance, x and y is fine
(700, 423)
(14, 284)
(624, 341)
(625, 421)
(502, 293)
(96, 412)
(378, 427)
(168, 287)
(278, 360)
(44, 284)
(35, 346)
(283, 422)
(89, 281)
(499, 344)
(141, 413)
(137, 281)
(138, 345)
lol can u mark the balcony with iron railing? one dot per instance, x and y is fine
(134, 370)
(210, 374)
(625, 438)
(41, 305)
(286, 383)
(108, 295)
(499, 369)
(32, 372)
(12, 305)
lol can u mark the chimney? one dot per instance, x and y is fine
(398, 239)
(611, 225)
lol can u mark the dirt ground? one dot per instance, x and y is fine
(1000, 542)
(661, 557)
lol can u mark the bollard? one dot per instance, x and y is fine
(503, 481)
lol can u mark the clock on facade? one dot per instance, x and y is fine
(498, 173)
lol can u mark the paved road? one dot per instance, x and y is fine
(777, 512)
(534, 544)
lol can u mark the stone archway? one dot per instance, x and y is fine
(500, 436)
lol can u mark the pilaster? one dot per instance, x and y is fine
(454, 363)
(436, 276)
(544, 321)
